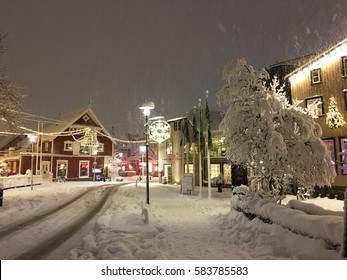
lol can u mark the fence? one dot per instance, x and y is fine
(17, 181)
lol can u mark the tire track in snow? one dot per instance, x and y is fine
(38, 218)
(49, 245)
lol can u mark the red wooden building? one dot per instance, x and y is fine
(72, 147)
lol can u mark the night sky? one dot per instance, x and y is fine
(118, 54)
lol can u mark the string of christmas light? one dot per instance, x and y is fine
(26, 130)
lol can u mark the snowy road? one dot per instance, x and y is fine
(53, 227)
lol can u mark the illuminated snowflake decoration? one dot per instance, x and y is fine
(159, 131)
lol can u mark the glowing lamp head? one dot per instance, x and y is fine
(147, 107)
(142, 149)
(32, 138)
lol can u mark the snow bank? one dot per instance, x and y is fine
(312, 209)
(328, 228)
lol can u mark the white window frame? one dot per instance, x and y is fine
(316, 76)
(68, 146)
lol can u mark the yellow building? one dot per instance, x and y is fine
(324, 78)
(175, 159)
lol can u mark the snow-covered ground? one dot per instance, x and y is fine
(181, 227)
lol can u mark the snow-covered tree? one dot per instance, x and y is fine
(4, 170)
(10, 97)
(278, 140)
(334, 119)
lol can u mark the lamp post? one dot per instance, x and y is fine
(32, 139)
(94, 152)
(142, 150)
(146, 108)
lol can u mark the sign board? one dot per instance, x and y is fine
(187, 183)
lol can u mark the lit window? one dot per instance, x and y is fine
(188, 168)
(344, 66)
(215, 170)
(330, 144)
(316, 76)
(169, 148)
(83, 169)
(62, 168)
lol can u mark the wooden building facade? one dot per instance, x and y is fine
(324, 79)
(74, 147)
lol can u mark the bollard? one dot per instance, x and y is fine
(145, 217)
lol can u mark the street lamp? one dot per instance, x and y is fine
(146, 108)
(32, 139)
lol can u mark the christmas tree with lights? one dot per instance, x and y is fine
(334, 119)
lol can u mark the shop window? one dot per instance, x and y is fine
(227, 172)
(62, 168)
(215, 170)
(343, 154)
(83, 168)
(188, 168)
(319, 111)
(330, 144)
(316, 77)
